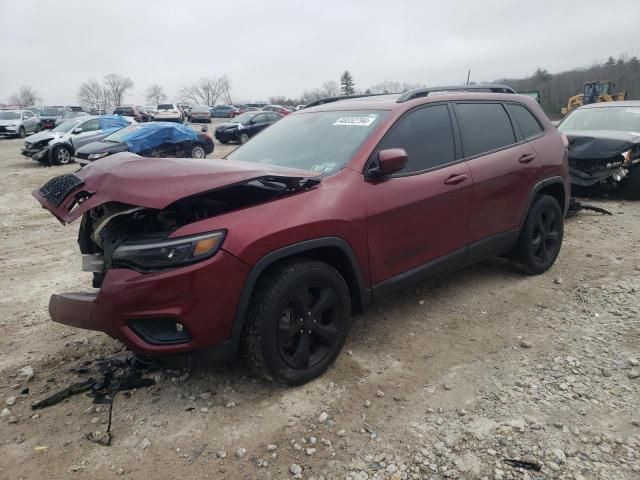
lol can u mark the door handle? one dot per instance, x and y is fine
(526, 158)
(455, 179)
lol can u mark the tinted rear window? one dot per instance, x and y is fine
(483, 127)
(166, 106)
(528, 124)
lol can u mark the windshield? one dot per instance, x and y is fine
(120, 135)
(52, 112)
(9, 115)
(626, 119)
(244, 118)
(166, 106)
(318, 141)
(67, 126)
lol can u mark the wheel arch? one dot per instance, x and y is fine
(553, 186)
(334, 251)
(65, 144)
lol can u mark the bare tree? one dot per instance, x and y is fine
(92, 94)
(205, 91)
(14, 99)
(225, 89)
(331, 88)
(28, 96)
(155, 94)
(117, 86)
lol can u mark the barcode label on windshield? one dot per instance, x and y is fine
(355, 121)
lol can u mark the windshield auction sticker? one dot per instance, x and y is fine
(355, 121)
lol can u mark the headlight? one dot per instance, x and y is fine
(151, 256)
(627, 155)
(11, 125)
(95, 156)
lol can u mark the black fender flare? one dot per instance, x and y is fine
(292, 250)
(536, 189)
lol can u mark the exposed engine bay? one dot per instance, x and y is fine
(104, 228)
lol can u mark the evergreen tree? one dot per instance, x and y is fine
(346, 83)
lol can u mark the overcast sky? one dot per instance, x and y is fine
(282, 47)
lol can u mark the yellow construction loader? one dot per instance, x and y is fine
(594, 92)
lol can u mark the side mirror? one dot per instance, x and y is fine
(77, 130)
(390, 161)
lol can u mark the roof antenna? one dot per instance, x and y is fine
(468, 76)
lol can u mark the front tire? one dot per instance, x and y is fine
(540, 239)
(22, 132)
(61, 155)
(244, 138)
(298, 321)
(631, 187)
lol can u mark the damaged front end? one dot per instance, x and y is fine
(154, 288)
(38, 150)
(602, 159)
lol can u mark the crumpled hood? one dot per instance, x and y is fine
(40, 136)
(148, 182)
(600, 144)
(224, 126)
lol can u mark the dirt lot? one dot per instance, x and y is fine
(446, 380)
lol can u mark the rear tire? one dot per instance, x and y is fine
(541, 236)
(298, 321)
(198, 152)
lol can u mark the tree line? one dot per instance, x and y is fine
(556, 89)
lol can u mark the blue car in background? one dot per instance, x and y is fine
(59, 145)
(155, 139)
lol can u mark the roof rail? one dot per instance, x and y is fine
(322, 101)
(424, 92)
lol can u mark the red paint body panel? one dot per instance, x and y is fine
(203, 297)
(415, 219)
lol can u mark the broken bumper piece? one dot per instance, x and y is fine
(136, 309)
(39, 155)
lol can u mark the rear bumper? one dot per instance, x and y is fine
(202, 297)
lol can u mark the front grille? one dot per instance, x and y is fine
(56, 189)
(3, 129)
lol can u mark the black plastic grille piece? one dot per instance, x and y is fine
(57, 189)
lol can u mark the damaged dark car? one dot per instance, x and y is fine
(604, 147)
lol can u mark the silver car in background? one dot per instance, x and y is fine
(18, 123)
(57, 146)
(200, 113)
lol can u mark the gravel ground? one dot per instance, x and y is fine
(482, 374)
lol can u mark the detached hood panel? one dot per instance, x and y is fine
(600, 144)
(147, 182)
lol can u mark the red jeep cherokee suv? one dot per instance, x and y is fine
(270, 250)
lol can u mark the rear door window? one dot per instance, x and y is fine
(483, 127)
(427, 137)
(529, 125)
